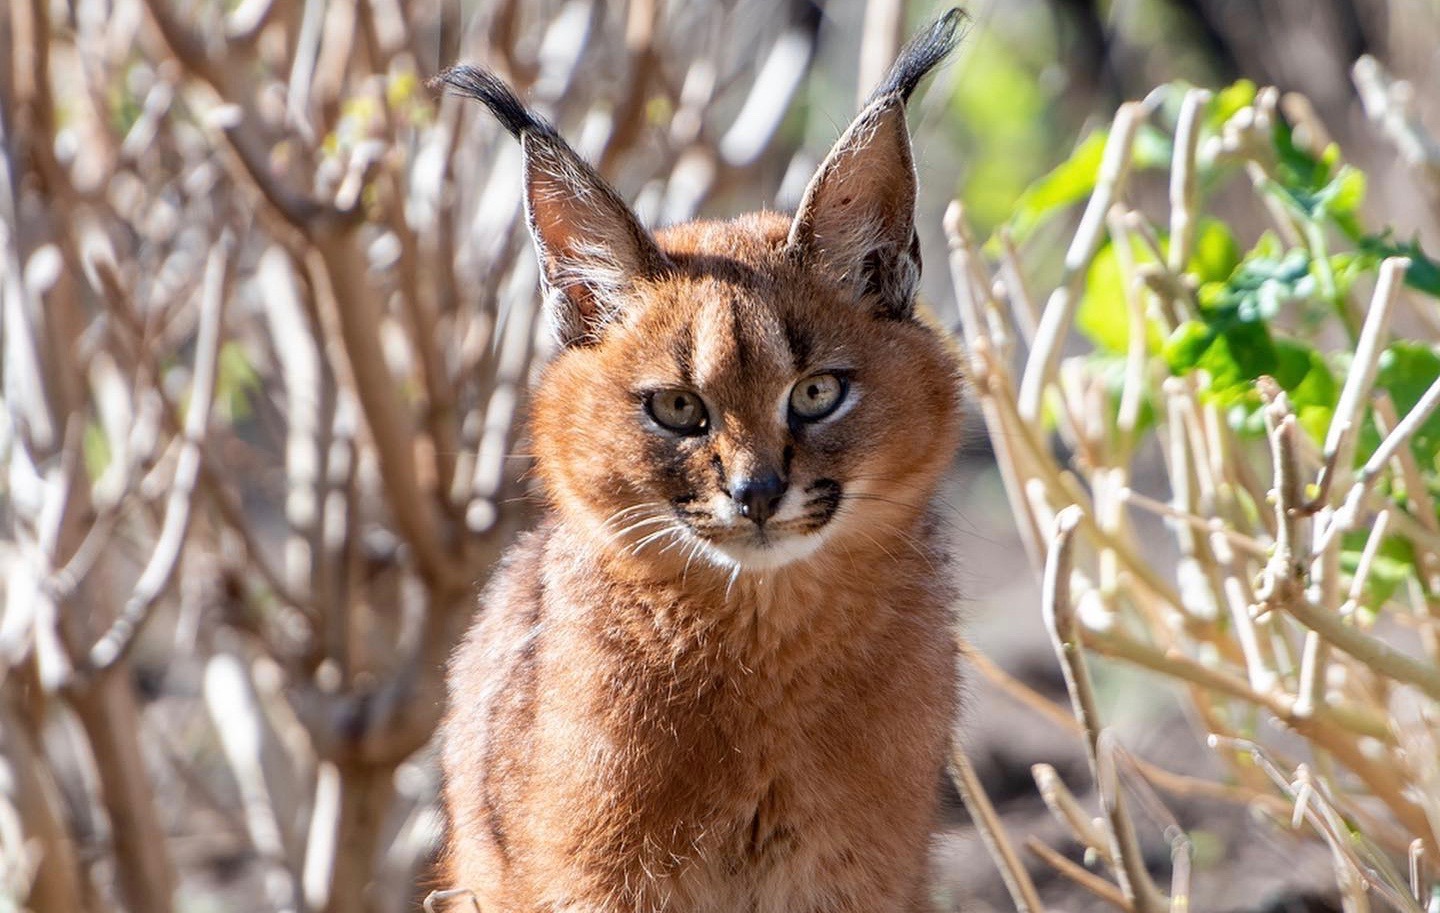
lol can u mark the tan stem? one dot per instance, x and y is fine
(365, 796)
(992, 833)
(108, 713)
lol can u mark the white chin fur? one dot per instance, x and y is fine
(786, 548)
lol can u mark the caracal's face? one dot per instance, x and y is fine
(746, 414)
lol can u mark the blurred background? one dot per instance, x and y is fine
(268, 321)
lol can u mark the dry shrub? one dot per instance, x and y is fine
(1297, 428)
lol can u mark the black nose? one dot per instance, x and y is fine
(759, 497)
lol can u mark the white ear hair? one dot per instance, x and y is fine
(592, 248)
(856, 222)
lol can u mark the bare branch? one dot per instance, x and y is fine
(1059, 611)
(992, 832)
(160, 570)
(1060, 309)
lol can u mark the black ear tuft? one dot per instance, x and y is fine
(856, 222)
(921, 55)
(592, 248)
(492, 92)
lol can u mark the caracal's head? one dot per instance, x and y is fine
(743, 394)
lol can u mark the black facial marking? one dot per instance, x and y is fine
(684, 342)
(719, 466)
(799, 345)
(669, 457)
(785, 458)
(823, 499)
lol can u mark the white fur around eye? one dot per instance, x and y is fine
(852, 396)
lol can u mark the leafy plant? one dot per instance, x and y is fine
(1302, 448)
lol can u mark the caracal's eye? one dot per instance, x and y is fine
(817, 396)
(679, 411)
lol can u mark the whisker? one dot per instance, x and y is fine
(734, 576)
(933, 496)
(626, 511)
(693, 551)
(915, 547)
(881, 499)
(678, 540)
(638, 524)
(876, 543)
(948, 519)
(671, 529)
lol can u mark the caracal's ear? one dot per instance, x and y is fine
(592, 248)
(856, 222)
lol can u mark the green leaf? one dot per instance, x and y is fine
(1187, 343)
(1318, 188)
(1346, 192)
(1407, 369)
(1073, 180)
(1227, 102)
(1215, 253)
(1102, 314)
(1234, 354)
(1423, 274)
(1348, 266)
(96, 449)
(1305, 376)
(235, 381)
(1065, 185)
(1234, 344)
(1259, 286)
(1240, 354)
(1296, 170)
(1153, 148)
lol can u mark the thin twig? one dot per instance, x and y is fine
(992, 833)
(1387, 102)
(155, 579)
(1332, 728)
(1060, 308)
(1066, 809)
(1064, 634)
(1345, 424)
(1175, 784)
(1085, 879)
(1400, 435)
(1183, 179)
(1248, 544)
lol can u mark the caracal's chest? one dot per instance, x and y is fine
(752, 788)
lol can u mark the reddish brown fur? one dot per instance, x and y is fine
(632, 733)
(686, 692)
